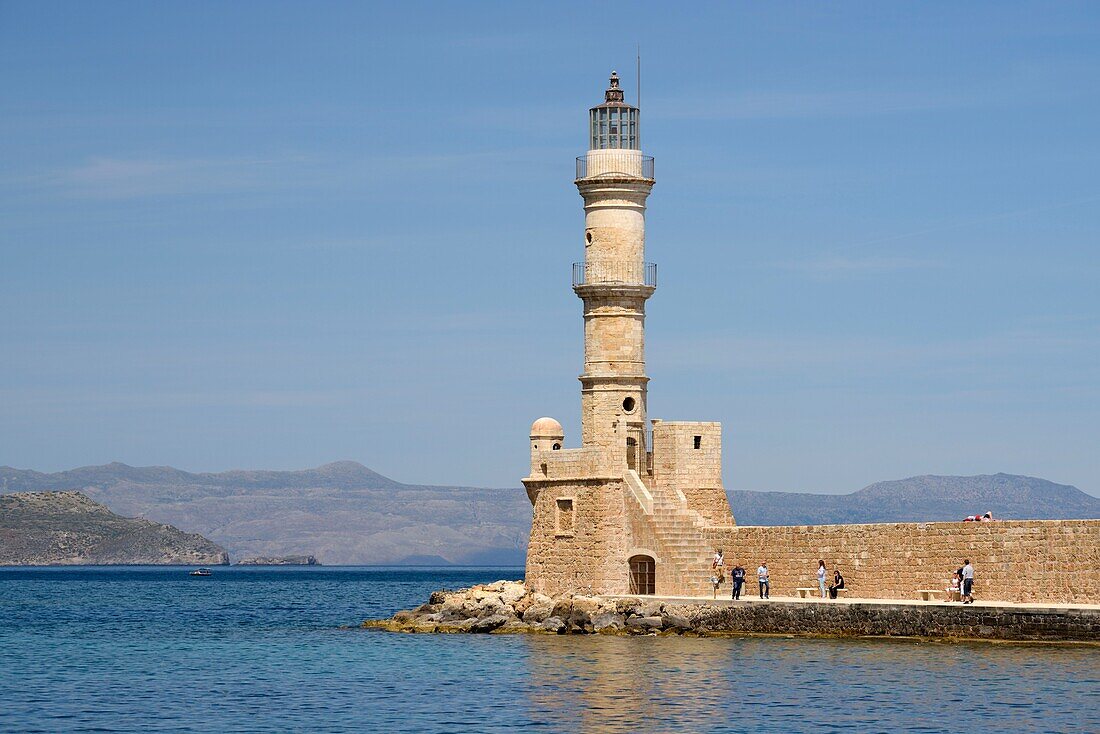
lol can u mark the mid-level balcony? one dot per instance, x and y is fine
(620, 163)
(614, 272)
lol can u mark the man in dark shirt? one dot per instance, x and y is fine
(738, 577)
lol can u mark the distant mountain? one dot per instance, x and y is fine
(346, 513)
(67, 528)
(340, 513)
(919, 499)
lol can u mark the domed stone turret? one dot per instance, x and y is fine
(547, 428)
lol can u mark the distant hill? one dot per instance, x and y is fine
(920, 499)
(67, 528)
(346, 513)
(340, 513)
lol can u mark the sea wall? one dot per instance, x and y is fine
(1049, 561)
(509, 607)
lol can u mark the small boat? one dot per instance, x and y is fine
(202, 572)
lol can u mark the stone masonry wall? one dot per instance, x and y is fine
(1055, 561)
(695, 472)
(589, 554)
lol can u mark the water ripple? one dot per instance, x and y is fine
(259, 650)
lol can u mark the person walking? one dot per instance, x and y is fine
(838, 583)
(968, 582)
(821, 577)
(717, 571)
(738, 577)
(762, 578)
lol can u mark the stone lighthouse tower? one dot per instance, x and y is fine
(614, 281)
(628, 510)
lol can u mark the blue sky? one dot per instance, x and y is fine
(272, 235)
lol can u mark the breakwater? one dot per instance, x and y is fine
(508, 607)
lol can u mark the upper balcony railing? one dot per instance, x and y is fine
(615, 164)
(614, 272)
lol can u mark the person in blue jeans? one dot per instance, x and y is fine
(968, 583)
(738, 577)
(762, 578)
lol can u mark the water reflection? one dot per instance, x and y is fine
(610, 684)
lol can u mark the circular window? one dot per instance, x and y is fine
(557, 447)
(628, 405)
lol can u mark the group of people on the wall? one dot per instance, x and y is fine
(763, 578)
(960, 589)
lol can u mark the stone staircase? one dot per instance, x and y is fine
(682, 544)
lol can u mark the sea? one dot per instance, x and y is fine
(278, 649)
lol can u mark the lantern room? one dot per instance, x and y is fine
(613, 124)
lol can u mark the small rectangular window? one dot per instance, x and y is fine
(698, 442)
(563, 524)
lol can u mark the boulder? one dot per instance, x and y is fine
(645, 624)
(488, 624)
(480, 595)
(676, 622)
(582, 612)
(562, 607)
(607, 622)
(512, 593)
(437, 597)
(539, 610)
(553, 624)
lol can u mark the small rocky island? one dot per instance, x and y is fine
(68, 528)
(280, 561)
(508, 607)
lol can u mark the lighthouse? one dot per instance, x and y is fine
(626, 511)
(614, 281)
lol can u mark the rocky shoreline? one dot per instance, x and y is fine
(506, 607)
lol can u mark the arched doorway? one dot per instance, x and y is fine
(632, 454)
(642, 575)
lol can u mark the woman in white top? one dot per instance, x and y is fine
(952, 591)
(821, 577)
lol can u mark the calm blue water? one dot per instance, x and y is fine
(261, 650)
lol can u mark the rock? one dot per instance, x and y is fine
(553, 624)
(437, 597)
(675, 621)
(562, 608)
(488, 624)
(539, 611)
(496, 586)
(582, 612)
(512, 593)
(280, 561)
(608, 622)
(645, 624)
(522, 604)
(462, 625)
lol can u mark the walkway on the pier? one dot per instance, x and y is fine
(754, 599)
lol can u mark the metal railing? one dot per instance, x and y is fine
(624, 272)
(615, 164)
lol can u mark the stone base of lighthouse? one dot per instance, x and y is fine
(602, 527)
